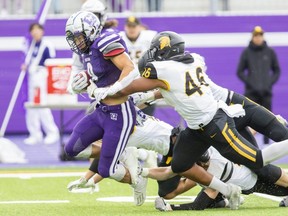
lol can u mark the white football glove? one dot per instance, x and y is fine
(97, 93)
(77, 183)
(82, 183)
(142, 97)
(91, 88)
(80, 82)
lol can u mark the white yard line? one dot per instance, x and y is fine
(122, 199)
(40, 175)
(35, 202)
(270, 197)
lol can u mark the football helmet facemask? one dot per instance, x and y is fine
(165, 45)
(144, 59)
(82, 28)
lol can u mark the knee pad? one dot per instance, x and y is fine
(276, 131)
(118, 175)
(269, 173)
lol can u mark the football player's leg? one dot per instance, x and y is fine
(201, 202)
(174, 186)
(187, 150)
(230, 143)
(152, 135)
(247, 134)
(115, 138)
(234, 147)
(273, 174)
(260, 119)
(269, 188)
(87, 131)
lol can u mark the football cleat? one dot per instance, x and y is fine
(240, 203)
(161, 205)
(130, 159)
(234, 197)
(139, 191)
(284, 202)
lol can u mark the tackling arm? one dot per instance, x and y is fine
(128, 74)
(143, 84)
(159, 173)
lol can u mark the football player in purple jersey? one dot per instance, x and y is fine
(104, 56)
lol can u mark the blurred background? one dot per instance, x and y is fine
(219, 30)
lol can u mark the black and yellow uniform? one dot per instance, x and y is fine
(258, 118)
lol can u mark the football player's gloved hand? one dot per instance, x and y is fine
(76, 184)
(97, 93)
(233, 111)
(82, 183)
(91, 88)
(80, 82)
(141, 97)
(100, 93)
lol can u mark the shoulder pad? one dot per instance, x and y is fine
(105, 39)
(149, 72)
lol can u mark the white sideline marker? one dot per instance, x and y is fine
(35, 202)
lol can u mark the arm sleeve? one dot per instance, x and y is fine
(94, 166)
(275, 68)
(242, 66)
(119, 85)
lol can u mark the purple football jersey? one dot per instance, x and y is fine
(105, 72)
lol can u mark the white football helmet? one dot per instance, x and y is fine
(83, 27)
(96, 7)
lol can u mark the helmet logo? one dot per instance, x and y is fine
(90, 19)
(164, 42)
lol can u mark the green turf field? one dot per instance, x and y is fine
(53, 189)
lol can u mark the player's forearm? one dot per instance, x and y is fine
(128, 72)
(140, 85)
(157, 95)
(159, 173)
(97, 178)
(89, 174)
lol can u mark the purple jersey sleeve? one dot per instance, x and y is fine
(105, 72)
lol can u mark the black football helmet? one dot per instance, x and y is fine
(144, 59)
(165, 45)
